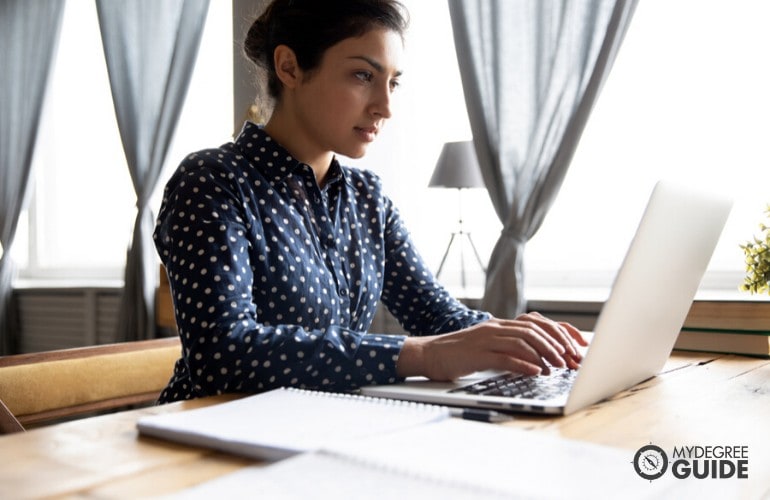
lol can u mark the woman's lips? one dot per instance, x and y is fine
(368, 134)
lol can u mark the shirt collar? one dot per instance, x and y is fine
(273, 160)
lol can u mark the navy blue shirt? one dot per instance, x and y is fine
(275, 281)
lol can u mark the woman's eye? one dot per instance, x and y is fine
(364, 76)
(394, 84)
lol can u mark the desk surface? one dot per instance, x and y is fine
(698, 399)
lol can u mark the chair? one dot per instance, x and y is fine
(40, 388)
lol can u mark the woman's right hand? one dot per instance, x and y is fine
(528, 344)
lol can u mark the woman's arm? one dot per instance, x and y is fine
(410, 291)
(470, 340)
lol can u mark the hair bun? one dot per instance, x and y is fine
(255, 44)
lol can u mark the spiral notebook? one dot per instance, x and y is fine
(284, 422)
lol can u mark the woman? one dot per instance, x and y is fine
(278, 256)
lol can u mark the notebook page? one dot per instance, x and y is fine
(510, 461)
(283, 422)
(452, 459)
(319, 476)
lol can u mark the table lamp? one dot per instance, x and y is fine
(457, 167)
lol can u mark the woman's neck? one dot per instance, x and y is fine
(288, 135)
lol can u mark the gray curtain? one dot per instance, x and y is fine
(29, 31)
(150, 47)
(531, 72)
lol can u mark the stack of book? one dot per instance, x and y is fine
(731, 326)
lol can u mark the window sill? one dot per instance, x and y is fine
(67, 284)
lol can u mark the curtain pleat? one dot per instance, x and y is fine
(150, 47)
(29, 32)
(531, 72)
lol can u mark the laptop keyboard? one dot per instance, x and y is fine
(524, 386)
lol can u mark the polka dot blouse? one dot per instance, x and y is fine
(275, 281)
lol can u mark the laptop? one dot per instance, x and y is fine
(636, 328)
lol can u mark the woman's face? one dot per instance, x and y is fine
(345, 101)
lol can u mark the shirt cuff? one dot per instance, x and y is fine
(376, 357)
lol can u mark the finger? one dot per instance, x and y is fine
(571, 353)
(540, 324)
(576, 334)
(509, 363)
(556, 335)
(564, 333)
(578, 341)
(567, 336)
(526, 342)
(573, 364)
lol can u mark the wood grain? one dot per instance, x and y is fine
(698, 399)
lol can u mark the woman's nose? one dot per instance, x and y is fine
(381, 105)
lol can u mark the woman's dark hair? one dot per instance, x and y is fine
(309, 27)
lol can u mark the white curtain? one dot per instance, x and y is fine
(150, 47)
(531, 72)
(29, 31)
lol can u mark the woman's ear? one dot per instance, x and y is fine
(286, 67)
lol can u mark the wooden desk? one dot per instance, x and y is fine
(699, 399)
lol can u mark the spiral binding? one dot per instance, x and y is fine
(361, 398)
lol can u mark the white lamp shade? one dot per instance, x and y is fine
(457, 167)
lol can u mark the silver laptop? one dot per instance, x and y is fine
(635, 331)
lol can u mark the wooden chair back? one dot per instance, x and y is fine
(41, 387)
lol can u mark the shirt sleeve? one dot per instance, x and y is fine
(204, 237)
(411, 293)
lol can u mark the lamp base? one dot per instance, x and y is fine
(460, 237)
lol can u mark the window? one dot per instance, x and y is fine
(687, 100)
(79, 221)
